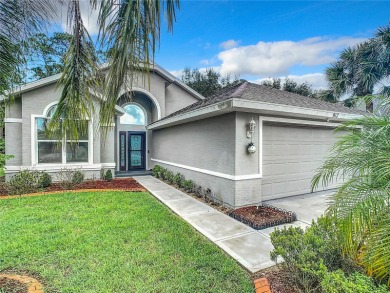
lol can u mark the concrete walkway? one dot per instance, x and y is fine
(251, 248)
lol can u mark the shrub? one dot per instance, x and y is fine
(169, 176)
(178, 179)
(45, 180)
(188, 185)
(78, 177)
(163, 173)
(157, 171)
(69, 178)
(108, 175)
(309, 255)
(24, 182)
(338, 282)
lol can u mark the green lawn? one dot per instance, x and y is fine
(111, 242)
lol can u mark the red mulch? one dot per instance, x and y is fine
(260, 217)
(12, 286)
(127, 184)
(119, 183)
(279, 280)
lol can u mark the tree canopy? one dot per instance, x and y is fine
(304, 89)
(361, 68)
(207, 82)
(46, 54)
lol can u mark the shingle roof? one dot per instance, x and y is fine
(261, 93)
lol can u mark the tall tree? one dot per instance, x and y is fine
(289, 85)
(361, 68)
(47, 54)
(207, 83)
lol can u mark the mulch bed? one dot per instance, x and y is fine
(124, 184)
(12, 286)
(119, 183)
(263, 216)
(279, 280)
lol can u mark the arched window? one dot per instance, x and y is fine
(50, 111)
(134, 115)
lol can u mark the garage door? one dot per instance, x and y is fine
(291, 155)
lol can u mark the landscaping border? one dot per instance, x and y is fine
(291, 218)
(74, 191)
(33, 286)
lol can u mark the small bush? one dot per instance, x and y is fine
(157, 169)
(338, 282)
(108, 175)
(188, 185)
(45, 180)
(178, 179)
(310, 255)
(78, 177)
(24, 182)
(163, 174)
(169, 176)
(69, 178)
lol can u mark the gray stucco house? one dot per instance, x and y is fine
(169, 124)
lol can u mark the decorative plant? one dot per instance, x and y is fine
(25, 181)
(45, 180)
(108, 175)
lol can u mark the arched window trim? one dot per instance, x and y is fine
(48, 108)
(143, 110)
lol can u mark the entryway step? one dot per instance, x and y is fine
(133, 173)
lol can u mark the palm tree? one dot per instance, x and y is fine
(361, 68)
(129, 29)
(361, 206)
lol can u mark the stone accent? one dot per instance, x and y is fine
(33, 286)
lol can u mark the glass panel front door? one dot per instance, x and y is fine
(136, 147)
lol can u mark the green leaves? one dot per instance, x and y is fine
(361, 206)
(78, 81)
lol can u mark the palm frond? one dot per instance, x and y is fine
(131, 29)
(78, 80)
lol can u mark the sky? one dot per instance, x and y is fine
(256, 40)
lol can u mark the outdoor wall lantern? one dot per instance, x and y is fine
(251, 129)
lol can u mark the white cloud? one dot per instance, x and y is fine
(316, 80)
(276, 58)
(177, 73)
(229, 44)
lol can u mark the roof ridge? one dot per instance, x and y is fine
(240, 89)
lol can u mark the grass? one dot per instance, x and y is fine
(111, 242)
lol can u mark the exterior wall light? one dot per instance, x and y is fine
(251, 129)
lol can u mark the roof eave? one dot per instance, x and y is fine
(54, 78)
(234, 104)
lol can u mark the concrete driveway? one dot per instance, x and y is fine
(307, 206)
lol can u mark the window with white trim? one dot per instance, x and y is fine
(55, 149)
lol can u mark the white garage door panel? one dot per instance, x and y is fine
(291, 155)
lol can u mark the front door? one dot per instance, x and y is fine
(136, 150)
